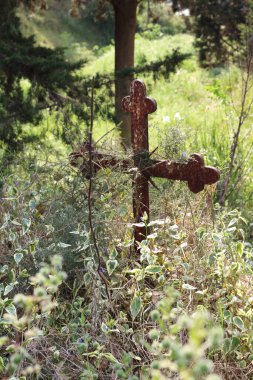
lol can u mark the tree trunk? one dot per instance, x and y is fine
(125, 26)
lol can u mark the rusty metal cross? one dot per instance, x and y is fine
(192, 171)
(139, 106)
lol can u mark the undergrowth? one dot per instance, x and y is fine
(182, 309)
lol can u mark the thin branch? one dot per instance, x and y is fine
(244, 113)
(93, 234)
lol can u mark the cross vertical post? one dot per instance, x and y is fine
(139, 106)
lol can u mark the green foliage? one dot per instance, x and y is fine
(19, 319)
(100, 12)
(30, 78)
(188, 360)
(104, 82)
(207, 261)
(158, 19)
(217, 27)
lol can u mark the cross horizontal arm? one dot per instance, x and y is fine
(192, 171)
(99, 160)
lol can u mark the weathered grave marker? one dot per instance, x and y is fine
(192, 171)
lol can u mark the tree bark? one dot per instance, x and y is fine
(125, 27)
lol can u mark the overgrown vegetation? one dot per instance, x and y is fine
(182, 309)
(144, 326)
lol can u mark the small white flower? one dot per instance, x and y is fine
(184, 12)
(184, 156)
(166, 119)
(177, 116)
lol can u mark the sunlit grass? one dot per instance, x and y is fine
(194, 101)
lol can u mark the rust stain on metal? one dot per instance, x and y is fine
(193, 171)
(139, 106)
(99, 160)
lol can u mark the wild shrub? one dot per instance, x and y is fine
(119, 320)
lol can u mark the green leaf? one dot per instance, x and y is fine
(8, 289)
(4, 322)
(226, 345)
(134, 271)
(141, 224)
(173, 228)
(111, 265)
(145, 250)
(4, 269)
(153, 269)
(158, 222)
(87, 278)
(113, 254)
(135, 306)
(238, 322)
(26, 224)
(240, 247)
(134, 356)
(232, 222)
(144, 217)
(12, 275)
(188, 287)
(128, 243)
(2, 366)
(63, 245)
(18, 257)
(12, 236)
(235, 343)
(152, 236)
(110, 357)
(11, 310)
(24, 274)
(227, 316)
(231, 229)
(32, 247)
(104, 328)
(216, 238)
(32, 204)
(15, 223)
(3, 340)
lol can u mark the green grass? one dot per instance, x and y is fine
(82, 38)
(188, 94)
(151, 50)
